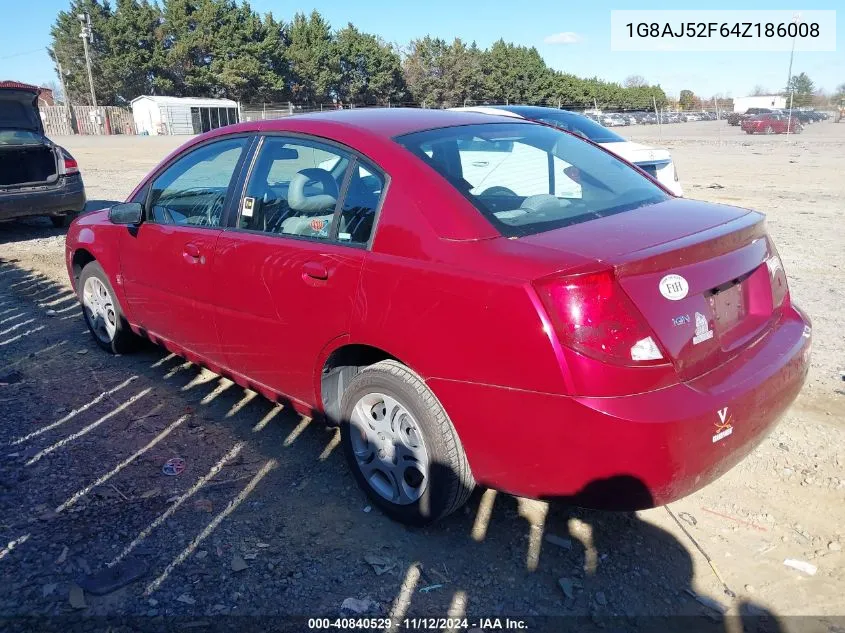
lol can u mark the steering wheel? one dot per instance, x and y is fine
(498, 191)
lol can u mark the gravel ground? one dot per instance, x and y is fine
(266, 520)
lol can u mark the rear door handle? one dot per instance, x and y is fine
(315, 270)
(480, 163)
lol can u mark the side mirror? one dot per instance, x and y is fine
(126, 213)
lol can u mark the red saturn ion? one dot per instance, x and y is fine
(553, 326)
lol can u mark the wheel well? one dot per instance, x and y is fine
(81, 258)
(341, 366)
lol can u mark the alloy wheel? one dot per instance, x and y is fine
(99, 309)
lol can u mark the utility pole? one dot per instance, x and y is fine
(796, 18)
(65, 97)
(87, 33)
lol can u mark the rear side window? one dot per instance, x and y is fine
(546, 180)
(193, 189)
(358, 213)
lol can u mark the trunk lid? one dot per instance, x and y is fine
(697, 272)
(19, 110)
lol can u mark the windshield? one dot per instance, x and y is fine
(582, 126)
(528, 178)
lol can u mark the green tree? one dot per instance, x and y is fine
(517, 74)
(135, 51)
(802, 87)
(686, 99)
(66, 49)
(423, 70)
(370, 71)
(311, 54)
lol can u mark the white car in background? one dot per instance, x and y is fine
(656, 162)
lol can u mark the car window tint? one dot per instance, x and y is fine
(193, 189)
(294, 188)
(358, 213)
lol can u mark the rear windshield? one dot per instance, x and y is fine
(19, 137)
(527, 178)
(582, 126)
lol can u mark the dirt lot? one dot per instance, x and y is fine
(265, 518)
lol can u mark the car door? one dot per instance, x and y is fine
(287, 271)
(167, 261)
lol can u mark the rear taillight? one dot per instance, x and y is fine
(69, 164)
(777, 277)
(593, 315)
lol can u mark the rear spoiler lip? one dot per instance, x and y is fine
(689, 249)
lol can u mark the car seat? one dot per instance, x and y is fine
(312, 197)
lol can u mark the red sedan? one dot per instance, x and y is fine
(771, 124)
(558, 326)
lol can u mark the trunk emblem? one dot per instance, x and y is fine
(681, 319)
(673, 287)
(702, 329)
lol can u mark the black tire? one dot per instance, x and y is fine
(450, 482)
(124, 339)
(60, 221)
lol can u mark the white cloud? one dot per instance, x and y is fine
(567, 37)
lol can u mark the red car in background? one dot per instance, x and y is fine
(772, 123)
(596, 340)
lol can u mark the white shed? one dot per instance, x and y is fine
(773, 102)
(182, 115)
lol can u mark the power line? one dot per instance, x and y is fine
(35, 50)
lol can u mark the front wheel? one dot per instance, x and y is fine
(401, 445)
(102, 312)
(769, 130)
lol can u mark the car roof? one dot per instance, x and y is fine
(386, 122)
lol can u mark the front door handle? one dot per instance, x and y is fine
(191, 254)
(480, 163)
(315, 270)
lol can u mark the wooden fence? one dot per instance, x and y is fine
(63, 121)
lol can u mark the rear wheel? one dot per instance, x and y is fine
(102, 312)
(768, 130)
(401, 445)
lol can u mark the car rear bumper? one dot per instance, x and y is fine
(67, 195)
(657, 446)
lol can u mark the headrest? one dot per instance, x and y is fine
(326, 199)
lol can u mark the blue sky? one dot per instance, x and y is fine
(27, 32)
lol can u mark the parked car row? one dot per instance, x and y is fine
(616, 119)
(804, 116)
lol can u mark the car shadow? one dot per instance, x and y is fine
(84, 472)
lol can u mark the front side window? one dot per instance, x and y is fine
(193, 189)
(294, 188)
(548, 179)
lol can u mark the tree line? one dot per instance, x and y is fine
(220, 48)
